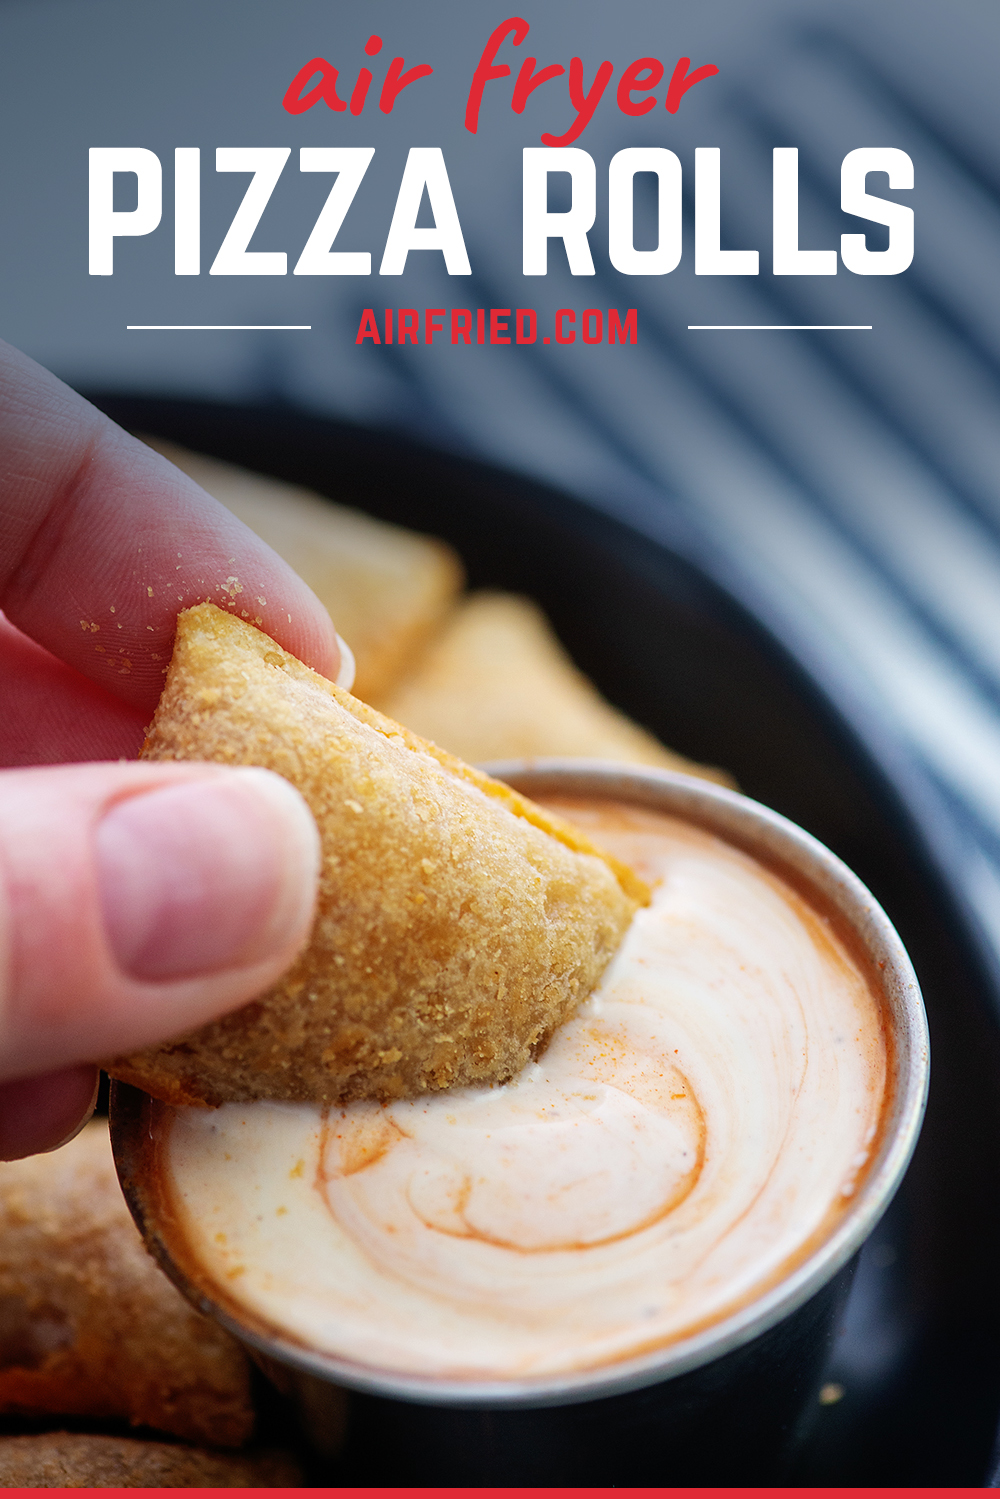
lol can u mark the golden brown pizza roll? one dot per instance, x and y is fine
(387, 589)
(496, 685)
(88, 1325)
(80, 1460)
(457, 922)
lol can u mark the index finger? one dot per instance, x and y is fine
(103, 542)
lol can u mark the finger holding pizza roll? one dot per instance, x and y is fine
(136, 900)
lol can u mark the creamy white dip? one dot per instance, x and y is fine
(684, 1140)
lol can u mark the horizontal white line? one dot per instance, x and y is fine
(212, 327)
(775, 327)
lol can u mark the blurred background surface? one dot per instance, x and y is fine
(844, 484)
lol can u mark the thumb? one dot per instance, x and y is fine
(136, 902)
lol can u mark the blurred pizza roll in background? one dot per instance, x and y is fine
(89, 1326)
(495, 684)
(484, 676)
(457, 923)
(386, 588)
(82, 1460)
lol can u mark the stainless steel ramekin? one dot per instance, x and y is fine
(813, 869)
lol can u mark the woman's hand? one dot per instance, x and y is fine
(136, 900)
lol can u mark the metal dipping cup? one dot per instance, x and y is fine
(723, 1406)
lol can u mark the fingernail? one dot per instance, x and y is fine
(348, 667)
(39, 1114)
(206, 875)
(76, 1079)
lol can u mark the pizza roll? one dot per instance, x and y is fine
(457, 924)
(497, 685)
(82, 1460)
(387, 589)
(89, 1326)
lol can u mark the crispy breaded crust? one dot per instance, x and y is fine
(458, 924)
(387, 589)
(89, 1326)
(80, 1460)
(495, 684)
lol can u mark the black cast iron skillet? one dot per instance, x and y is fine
(661, 631)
